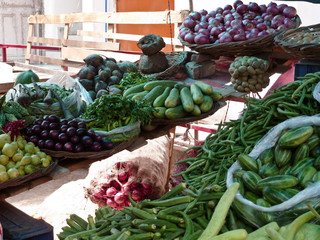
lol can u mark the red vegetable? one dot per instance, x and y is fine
(120, 198)
(289, 12)
(111, 192)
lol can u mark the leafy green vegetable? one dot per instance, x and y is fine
(132, 79)
(112, 111)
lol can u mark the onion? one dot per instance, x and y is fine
(226, 12)
(289, 12)
(255, 31)
(99, 193)
(288, 22)
(239, 37)
(263, 8)
(195, 15)
(115, 184)
(248, 25)
(212, 13)
(236, 22)
(111, 192)
(268, 17)
(111, 203)
(214, 22)
(136, 195)
(279, 18)
(228, 17)
(272, 4)
(203, 12)
(261, 26)
(237, 3)
(189, 23)
(189, 37)
(204, 32)
(251, 36)
(227, 7)
(253, 7)
(262, 33)
(281, 7)
(242, 8)
(219, 10)
(122, 176)
(201, 39)
(226, 37)
(272, 10)
(219, 18)
(215, 31)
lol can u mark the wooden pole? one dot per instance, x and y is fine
(191, 5)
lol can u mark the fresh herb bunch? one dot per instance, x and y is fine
(132, 79)
(112, 111)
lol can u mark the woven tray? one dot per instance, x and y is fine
(310, 51)
(216, 106)
(248, 47)
(23, 179)
(176, 60)
(60, 155)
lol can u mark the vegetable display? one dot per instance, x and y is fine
(172, 99)
(100, 73)
(249, 74)
(111, 111)
(53, 133)
(26, 77)
(236, 23)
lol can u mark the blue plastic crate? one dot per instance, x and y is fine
(19, 226)
(305, 66)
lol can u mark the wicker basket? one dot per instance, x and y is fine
(310, 51)
(91, 155)
(176, 61)
(23, 179)
(248, 47)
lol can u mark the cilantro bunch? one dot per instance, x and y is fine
(132, 79)
(112, 111)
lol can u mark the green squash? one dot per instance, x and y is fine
(308, 231)
(25, 77)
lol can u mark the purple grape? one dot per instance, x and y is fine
(91, 133)
(37, 121)
(78, 148)
(68, 146)
(54, 134)
(44, 133)
(63, 122)
(71, 131)
(63, 137)
(75, 139)
(98, 138)
(40, 143)
(96, 147)
(34, 139)
(54, 125)
(29, 131)
(82, 125)
(36, 129)
(107, 144)
(54, 119)
(87, 141)
(63, 128)
(49, 144)
(81, 132)
(73, 123)
(45, 124)
(58, 146)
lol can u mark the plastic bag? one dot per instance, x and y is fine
(76, 102)
(310, 193)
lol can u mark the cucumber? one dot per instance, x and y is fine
(286, 170)
(196, 93)
(196, 110)
(165, 83)
(250, 180)
(205, 87)
(282, 156)
(186, 99)
(292, 191)
(306, 175)
(268, 169)
(134, 89)
(153, 94)
(251, 196)
(267, 156)
(275, 195)
(216, 96)
(247, 163)
(313, 141)
(264, 216)
(316, 151)
(207, 104)
(175, 112)
(173, 99)
(316, 163)
(279, 181)
(139, 96)
(159, 101)
(301, 152)
(159, 112)
(131, 95)
(295, 136)
(299, 166)
(316, 177)
(238, 173)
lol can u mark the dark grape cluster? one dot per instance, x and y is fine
(51, 132)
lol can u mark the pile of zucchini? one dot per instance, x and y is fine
(282, 171)
(173, 100)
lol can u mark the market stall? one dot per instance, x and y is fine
(255, 177)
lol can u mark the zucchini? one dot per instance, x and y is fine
(165, 83)
(292, 191)
(301, 152)
(216, 96)
(306, 175)
(316, 163)
(268, 170)
(313, 141)
(196, 110)
(247, 163)
(316, 151)
(286, 170)
(205, 87)
(282, 156)
(267, 156)
(275, 195)
(250, 180)
(175, 112)
(299, 166)
(153, 94)
(134, 89)
(279, 181)
(159, 112)
(186, 99)
(251, 196)
(295, 136)
(207, 104)
(139, 96)
(173, 99)
(159, 101)
(316, 177)
(196, 93)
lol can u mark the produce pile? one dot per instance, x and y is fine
(236, 23)
(172, 99)
(249, 74)
(305, 38)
